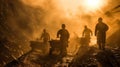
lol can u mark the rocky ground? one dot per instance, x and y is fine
(91, 57)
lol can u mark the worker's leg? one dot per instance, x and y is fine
(103, 46)
(100, 47)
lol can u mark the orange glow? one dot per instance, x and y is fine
(94, 5)
(74, 7)
(93, 41)
(71, 8)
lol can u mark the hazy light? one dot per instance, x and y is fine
(94, 4)
(34, 3)
(70, 7)
(93, 41)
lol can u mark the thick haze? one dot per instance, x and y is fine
(73, 13)
(24, 20)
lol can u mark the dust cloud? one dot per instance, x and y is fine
(72, 13)
(24, 20)
(75, 15)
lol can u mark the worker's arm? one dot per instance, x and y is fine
(95, 30)
(58, 33)
(68, 34)
(107, 27)
(48, 36)
(41, 36)
(83, 33)
(91, 32)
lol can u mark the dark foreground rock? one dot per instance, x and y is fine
(86, 57)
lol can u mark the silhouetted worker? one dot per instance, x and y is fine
(100, 32)
(63, 34)
(45, 36)
(87, 33)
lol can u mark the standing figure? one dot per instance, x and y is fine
(63, 34)
(45, 36)
(100, 32)
(87, 33)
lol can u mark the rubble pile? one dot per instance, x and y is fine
(90, 57)
(85, 60)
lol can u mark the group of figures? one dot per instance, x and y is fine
(63, 34)
(100, 32)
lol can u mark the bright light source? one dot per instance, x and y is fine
(93, 4)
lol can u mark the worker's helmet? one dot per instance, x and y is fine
(63, 25)
(100, 19)
(85, 26)
(44, 30)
